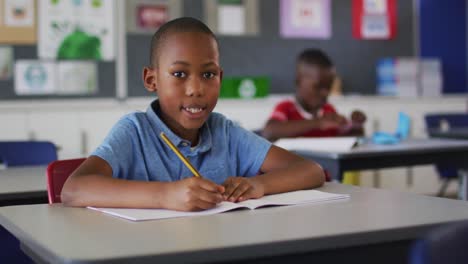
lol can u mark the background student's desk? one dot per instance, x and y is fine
(406, 153)
(23, 185)
(377, 224)
(454, 133)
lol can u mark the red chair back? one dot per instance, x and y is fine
(57, 173)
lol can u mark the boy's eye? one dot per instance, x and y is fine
(179, 74)
(208, 75)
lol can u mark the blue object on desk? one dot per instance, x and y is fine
(446, 244)
(401, 133)
(27, 153)
(383, 138)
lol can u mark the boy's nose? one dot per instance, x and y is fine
(194, 88)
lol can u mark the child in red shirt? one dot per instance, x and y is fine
(310, 115)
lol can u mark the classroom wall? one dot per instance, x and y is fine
(270, 55)
(106, 79)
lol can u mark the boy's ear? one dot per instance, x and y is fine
(149, 79)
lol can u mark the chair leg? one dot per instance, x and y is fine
(443, 188)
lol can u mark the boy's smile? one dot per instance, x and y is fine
(194, 111)
(187, 79)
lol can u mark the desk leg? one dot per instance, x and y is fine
(464, 185)
(336, 172)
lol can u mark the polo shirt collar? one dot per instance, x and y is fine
(306, 114)
(204, 144)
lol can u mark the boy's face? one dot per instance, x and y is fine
(313, 85)
(187, 78)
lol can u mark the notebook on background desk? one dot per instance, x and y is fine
(289, 198)
(318, 144)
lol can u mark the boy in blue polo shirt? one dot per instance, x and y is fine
(134, 168)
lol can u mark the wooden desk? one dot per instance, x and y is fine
(19, 185)
(407, 153)
(377, 224)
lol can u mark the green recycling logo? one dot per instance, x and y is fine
(247, 88)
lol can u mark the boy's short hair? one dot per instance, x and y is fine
(178, 25)
(315, 57)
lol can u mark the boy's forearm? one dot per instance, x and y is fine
(299, 175)
(99, 191)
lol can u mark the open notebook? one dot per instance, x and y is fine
(318, 144)
(290, 198)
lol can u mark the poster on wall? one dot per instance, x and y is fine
(18, 22)
(6, 62)
(77, 77)
(33, 77)
(305, 19)
(76, 29)
(374, 19)
(232, 17)
(19, 13)
(146, 16)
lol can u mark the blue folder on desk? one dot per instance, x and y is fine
(402, 132)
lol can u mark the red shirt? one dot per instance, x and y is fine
(290, 110)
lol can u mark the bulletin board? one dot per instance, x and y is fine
(22, 40)
(267, 53)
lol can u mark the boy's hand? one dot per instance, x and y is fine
(239, 189)
(193, 194)
(330, 121)
(358, 117)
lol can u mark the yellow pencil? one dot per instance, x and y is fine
(181, 157)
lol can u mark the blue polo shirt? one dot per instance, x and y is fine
(135, 151)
